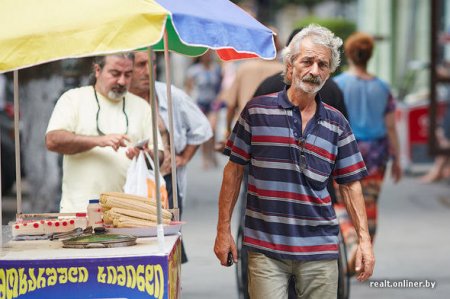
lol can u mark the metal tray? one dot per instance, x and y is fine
(149, 231)
(100, 241)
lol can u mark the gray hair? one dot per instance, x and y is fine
(101, 61)
(319, 35)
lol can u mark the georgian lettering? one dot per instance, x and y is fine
(15, 282)
(148, 278)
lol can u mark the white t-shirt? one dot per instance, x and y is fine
(101, 169)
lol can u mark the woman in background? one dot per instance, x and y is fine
(371, 113)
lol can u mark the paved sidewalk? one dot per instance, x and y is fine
(203, 277)
(412, 243)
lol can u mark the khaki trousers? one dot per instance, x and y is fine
(269, 278)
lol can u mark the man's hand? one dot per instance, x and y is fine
(69, 143)
(364, 260)
(180, 161)
(132, 152)
(114, 140)
(354, 203)
(229, 192)
(223, 245)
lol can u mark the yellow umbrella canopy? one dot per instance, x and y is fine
(36, 32)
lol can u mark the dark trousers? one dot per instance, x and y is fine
(168, 180)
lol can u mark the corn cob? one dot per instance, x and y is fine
(126, 210)
(107, 217)
(136, 214)
(125, 221)
(135, 205)
(124, 196)
(132, 223)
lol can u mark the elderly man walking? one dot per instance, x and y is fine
(294, 144)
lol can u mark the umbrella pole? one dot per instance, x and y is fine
(17, 143)
(171, 129)
(159, 227)
(1, 197)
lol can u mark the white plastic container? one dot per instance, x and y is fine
(94, 213)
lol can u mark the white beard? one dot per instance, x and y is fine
(116, 97)
(308, 87)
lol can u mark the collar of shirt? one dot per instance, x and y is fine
(162, 100)
(283, 102)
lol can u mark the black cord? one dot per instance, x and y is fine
(100, 132)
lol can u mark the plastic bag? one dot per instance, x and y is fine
(141, 180)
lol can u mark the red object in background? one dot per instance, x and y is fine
(418, 122)
(9, 110)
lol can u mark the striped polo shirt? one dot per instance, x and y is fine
(289, 214)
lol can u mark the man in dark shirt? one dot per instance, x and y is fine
(329, 94)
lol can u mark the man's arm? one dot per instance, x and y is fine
(186, 155)
(229, 193)
(68, 143)
(134, 151)
(354, 202)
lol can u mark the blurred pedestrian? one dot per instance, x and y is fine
(191, 128)
(441, 166)
(203, 81)
(249, 75)
(371, 113)
(293, 144)
(94, 127)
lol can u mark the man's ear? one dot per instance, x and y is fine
(289, 72)
(96, 70)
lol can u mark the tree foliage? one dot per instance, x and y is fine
(341, 27)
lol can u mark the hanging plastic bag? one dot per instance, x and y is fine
(141, 179)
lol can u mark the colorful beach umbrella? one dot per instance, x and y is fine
(35, 32)
(195, 25)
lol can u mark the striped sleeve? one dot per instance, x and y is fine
(238, 144)
(350, 165)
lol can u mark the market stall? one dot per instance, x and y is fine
(43, 269)
(149, 266)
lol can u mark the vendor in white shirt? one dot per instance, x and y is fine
(94, 127)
